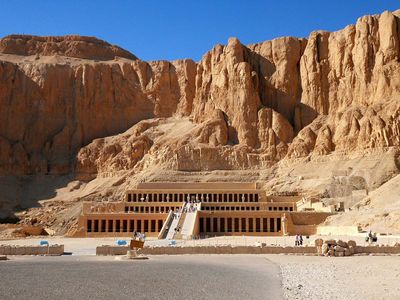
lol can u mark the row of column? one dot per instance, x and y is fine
(150, 209)
(280, 208)
(220, 225)
(212, 197)
(230, 208)
(115, 225)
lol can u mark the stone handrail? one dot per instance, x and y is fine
(166, 223)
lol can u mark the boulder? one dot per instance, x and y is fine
(330, 242)
(339, 248)
(325, 249)
(351, 243)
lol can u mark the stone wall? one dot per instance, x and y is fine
(308, 250)
(31, 250)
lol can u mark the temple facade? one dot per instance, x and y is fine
(191, 210)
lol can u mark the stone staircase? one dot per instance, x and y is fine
(171, 230)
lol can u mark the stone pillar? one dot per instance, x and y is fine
(284, 224)
(276, 225)
(247, 224)
(226, 224)
(261, 224)
(204, 225)
(128, 225)
(219, 225)
(240, 224)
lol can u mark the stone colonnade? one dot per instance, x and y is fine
(242, 196)
(220, 225)
(103, 224)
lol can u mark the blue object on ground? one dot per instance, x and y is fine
(121, 242)
(43, 243)
(172, 243)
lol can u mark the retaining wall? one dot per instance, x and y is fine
(31, 250)
(377, 249)
(118, 250)
(121, 250)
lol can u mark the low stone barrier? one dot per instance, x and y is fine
(118, 250)
(111, 250)
(31, 250)
(377, 249)
(338, 248)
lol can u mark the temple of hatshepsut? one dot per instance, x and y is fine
(193, 210)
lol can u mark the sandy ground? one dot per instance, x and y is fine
(356, 277)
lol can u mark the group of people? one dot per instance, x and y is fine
(371, 237)
(192, 208)
(299, 240)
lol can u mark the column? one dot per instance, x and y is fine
(204, 225)
(276, 225)
(219, 224)
(114, 225)
(128, 225)
(106, 225)
(226, 224)
(261, 224)
(240, 224)
(156, 226)
(100, 225)
(247, 224)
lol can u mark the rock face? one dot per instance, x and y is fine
(70, 46)
(282, 98)
(78, 105)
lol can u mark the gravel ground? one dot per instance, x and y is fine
(356, 277)
(160, 277)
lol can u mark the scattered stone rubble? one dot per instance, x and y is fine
(335, 248)
(340, 248)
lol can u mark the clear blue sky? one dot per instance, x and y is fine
(173, 29)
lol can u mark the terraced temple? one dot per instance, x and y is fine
(189, 210)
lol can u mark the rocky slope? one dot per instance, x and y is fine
(93, 114)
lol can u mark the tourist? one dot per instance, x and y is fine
(374, 238)
(301, 240)
(296, 243)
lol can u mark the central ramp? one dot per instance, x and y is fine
(190, 222)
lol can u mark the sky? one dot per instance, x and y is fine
(172, 29)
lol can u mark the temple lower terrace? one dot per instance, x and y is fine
(193, 210)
